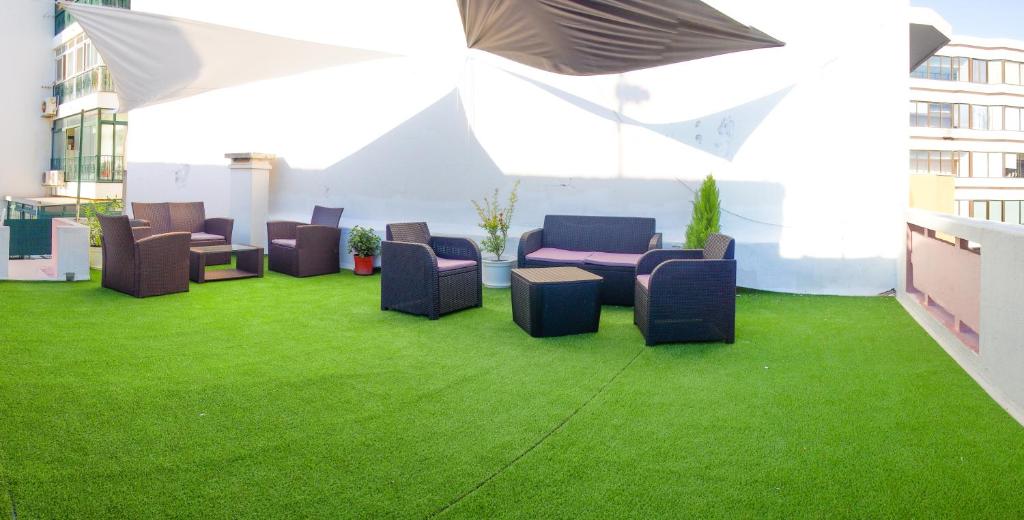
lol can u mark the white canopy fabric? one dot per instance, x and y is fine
(156, 58)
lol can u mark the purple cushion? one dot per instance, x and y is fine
(564, 256)
(199, 235)
(614, 259)
(645, 280)
(447, 264)
(286, 242)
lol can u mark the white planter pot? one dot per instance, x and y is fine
(96, 257)
(497, 273)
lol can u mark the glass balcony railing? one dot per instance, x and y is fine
(93, 80)
(95, 168)
(63, 18)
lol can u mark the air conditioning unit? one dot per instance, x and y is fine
(53, 178)
(50, 107)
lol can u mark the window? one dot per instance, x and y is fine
(979, 209)
(935, 115)
(979, 164)
(1011, 73)
(979, 117)
(963, 119)
(936, 162)
(979, 71)
(995, 210)
(1011, 212)
(995, 72)
(1011, 121)
(963, 208)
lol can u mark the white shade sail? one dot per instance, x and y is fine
(156, 58)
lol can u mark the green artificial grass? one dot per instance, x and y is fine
(282, 397)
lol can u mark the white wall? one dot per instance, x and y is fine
(997, 364)
(808, 141)
(26, 29)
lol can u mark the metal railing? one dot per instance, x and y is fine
(62, 18)
(95, 168)
(97, 79)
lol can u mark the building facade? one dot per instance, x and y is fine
(85, 148)
(967, 128)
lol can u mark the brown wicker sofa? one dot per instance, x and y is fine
(187, 217)
(140, 263)
(609, 247)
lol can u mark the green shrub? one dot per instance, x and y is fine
(495, 220)
(93, 210)
(706, 214)
(363, 241)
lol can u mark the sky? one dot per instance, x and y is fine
(985, 18)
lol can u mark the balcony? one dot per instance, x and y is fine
(62, 18)
(91, 81)
(97, 168)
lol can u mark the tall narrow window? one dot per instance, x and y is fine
(1012, 75)
(995, 118)
(979, 164)
(1010, 165)
(1011, 211)
(963, 116)
(979, 209)
(979, 71)
(1012, 119)
(995, 210)
(979, 117)
(995, 71)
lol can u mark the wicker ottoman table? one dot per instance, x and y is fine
(555, 301)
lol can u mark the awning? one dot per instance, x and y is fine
(605, 36)
(155, 58)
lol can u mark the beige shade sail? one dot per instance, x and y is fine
(155, 58)
(604, 36)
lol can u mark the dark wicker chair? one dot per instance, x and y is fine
(619, 240)
(140, 263)
(301, 249)
(428, 275)
(188, 217)
(687, 294)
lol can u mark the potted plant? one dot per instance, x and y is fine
(706, 214)
(495, 220)
(92, 212)
(363, 244)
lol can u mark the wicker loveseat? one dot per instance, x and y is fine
(688, 294)
(187, 217)
(609, 247)
(428, 275)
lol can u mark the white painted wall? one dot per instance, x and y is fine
(997, 365)
(809, 149)
(26, 28)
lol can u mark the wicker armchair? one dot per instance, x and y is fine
(687, 294)
(301, 249)
(140, 263)
(188, 217)
(428, 275)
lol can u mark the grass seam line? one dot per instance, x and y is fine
(14, 507)
(452, 503)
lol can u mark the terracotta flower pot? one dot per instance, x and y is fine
(364, 265)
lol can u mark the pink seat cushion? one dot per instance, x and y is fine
(614, 259)
(645, 280)
(447, 264)
(564, 256)
(286, 242)
(199, 235)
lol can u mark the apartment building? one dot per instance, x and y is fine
(87, 145)
(967, 124)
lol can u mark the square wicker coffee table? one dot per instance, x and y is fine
(248, 263)
(556, 301)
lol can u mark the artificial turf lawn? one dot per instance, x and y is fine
(282, 397)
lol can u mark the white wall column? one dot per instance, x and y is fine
(5, 249)
(250, 196)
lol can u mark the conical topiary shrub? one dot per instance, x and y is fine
(706, 214)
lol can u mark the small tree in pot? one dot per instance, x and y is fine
(496, 220)
(363, 244)
(706, 214)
